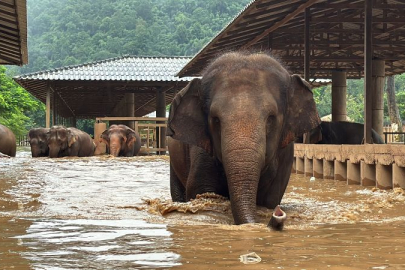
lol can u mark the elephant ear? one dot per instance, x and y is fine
(302, 115)
(104, 137)
(131, 138)
(187, 121)
(71, 138)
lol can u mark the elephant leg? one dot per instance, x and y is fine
(271, 191)
(177, 190)
(205, 175)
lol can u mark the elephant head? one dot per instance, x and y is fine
(244, 111)
(59, 139)
(120, 140)
(38, 142)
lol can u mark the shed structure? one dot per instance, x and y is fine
(13, 32)
(322, 39)
(127, 86)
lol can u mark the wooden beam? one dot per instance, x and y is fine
(306, 45)
(286, 19)
(368, 55)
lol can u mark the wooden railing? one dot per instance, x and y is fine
(391, 136)
(22, 141)
(149, 129)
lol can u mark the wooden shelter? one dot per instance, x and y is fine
(13, 32)
(322, 39)
(128, 86)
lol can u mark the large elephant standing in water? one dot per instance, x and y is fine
(63, 141)
(341, 132)
(121, 140)
(38, 142)
(234, 129)
(8, 144)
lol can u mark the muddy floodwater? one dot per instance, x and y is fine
(116, 213)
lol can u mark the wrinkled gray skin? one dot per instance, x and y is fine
(233, 132)
(341, 133)
(63, 142)
(38, 142)
(8, 144)
(121, 141)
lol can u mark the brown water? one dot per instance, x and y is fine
(105, 213)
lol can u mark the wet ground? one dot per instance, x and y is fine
(106, 213)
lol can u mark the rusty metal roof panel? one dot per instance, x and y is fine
(13, 32)
(125, 68)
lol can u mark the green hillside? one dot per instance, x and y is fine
(66, 32)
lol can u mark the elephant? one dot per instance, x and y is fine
(232, 132)
(341, 132)
(8, 144)
(63, 141)
(121, 141)
(38, 142)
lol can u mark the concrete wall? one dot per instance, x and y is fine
(382, 166)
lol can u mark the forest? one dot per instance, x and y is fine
(69, 32)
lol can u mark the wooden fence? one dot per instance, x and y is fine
(152, 131)
(394, 137)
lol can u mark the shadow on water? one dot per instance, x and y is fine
(116, 213)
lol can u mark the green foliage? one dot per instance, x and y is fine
(16, 104)
(71, 32)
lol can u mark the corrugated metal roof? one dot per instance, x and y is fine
(125, 68)
(336, 34)
(13, 32)
(95, 89)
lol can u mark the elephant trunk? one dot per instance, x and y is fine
(243, 157)
(54, 152)
(114, 149)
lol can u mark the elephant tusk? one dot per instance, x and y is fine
(277, 219)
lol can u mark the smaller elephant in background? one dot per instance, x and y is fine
(38, 142)
(8, 144)
(121, 141)
(341, 133)
(63, 141)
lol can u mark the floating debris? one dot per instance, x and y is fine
(250, 258)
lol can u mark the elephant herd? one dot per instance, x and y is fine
(61, 141)
(230, 132)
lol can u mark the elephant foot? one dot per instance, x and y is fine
(278, 218)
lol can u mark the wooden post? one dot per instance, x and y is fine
(306, 45)
(368, 55)
(339, 96)
(53, 110)
(161, 112)
(48, 108)
(130, 108)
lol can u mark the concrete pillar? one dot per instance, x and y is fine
(340, 171)
(328, 169)
(99, 128)
(300, 167)
(353, 173)
(293, 170)
(367, 174)
(318, 168)
(308, 167)
(161, 112)
(398, 176)
(378, 82)
(339, 96)
(384, 176)
(130, 108)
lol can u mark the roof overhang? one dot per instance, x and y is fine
(13, 32)
(336, 36)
